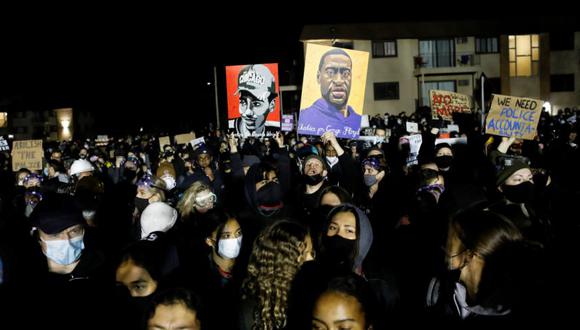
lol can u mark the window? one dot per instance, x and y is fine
(448, 85)
(437, 53)
(385, 48)
(386, 91)
(486, 45)
(562, 83)
(524, 55)
(562, 41)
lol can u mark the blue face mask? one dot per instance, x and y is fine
(64, 252)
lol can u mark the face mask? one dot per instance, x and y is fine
(89, 214)
(45, 171)
(129, 174)
(443, 161)
(332, 160)
(370, 179)
(313, 180)
(434, 189)
(169, 182)
(521, 193)
(269, 195)
(141, 203)
(229, 248)
(339, 251)
(64, 252)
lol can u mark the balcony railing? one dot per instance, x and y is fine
(445, 60)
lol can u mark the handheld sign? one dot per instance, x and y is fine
(513, 116)
(444, 104)
(163, 141)
(27, 154)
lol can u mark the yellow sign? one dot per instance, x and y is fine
(27, 154)
(163, 140)
(184, 138)
(513, 116)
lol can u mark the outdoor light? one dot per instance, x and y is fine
(548, 107)
(65, 123)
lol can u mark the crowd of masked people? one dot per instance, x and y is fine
(287, 232)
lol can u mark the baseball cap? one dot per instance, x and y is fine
(56, 213)
(257, 80)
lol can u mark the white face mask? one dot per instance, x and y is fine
(64, 252)
(229, 248)
(169, 182)
(332, 160)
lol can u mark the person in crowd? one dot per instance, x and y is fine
(276, 257)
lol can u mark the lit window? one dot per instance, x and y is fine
(524, 55)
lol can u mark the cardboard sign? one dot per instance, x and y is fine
(27, 154)
(287, 123)
(164, 140)
(184, 138)
(333, 91)
(412, 127)
(513, 116)
(414, 142)
(444, 104)
(101, 140)
(253, 98)
(4, 144)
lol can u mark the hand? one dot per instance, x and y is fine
(329, 137)
(233, 143)
(209, 173)
(505, 144)
(280, 139)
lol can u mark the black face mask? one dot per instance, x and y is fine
(313, 180)
(339, 252)
(521, 193)
(443, 161)
(141, 204)
(269, 195)
(129, 174)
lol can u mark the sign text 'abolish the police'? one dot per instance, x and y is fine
(514, 116)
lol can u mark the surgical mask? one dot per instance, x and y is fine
(370, 179)
(64, 252)
(229, 248)
(332, 160)
(169, 182)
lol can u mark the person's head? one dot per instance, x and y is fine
(335, 76)
(516, 181)
(56, 155)
(157, 216)
(472, 237)
(314, 169)
(334, 196)
(150, 188)
(55, 167)
(347, 303)
(263, 189)
(346, 238)
(203, 157)
(198, 198)
(20, 175)
(174, 309)
(277, 255)
(443, 156)
(166, 172)
(60, 228)
(257, 94)
(374, 168)
(139, 269)
(223, 234)
(81, 168)
(83, 153)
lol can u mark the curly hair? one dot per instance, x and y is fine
(275, 260)
(187, 201)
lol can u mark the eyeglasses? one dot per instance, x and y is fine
(205, 200)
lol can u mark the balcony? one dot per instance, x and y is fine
(459, 63)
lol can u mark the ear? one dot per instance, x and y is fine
(318, 76)
(381, 175)
(210, 242)
(272, 105)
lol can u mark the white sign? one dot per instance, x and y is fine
(412, 127)
(196, 142)
(453, 128)
(4, 144)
